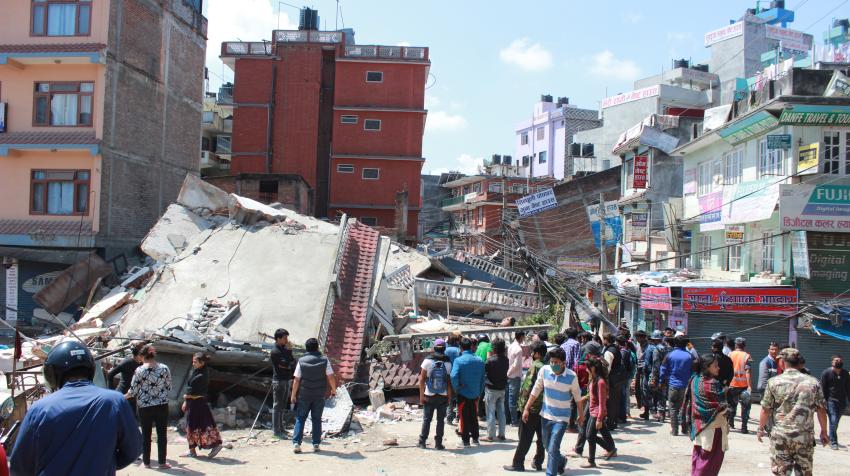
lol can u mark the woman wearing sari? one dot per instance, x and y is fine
(704, 408)
(201, 430)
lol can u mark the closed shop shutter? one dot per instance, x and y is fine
(818, 350)
(702, 326)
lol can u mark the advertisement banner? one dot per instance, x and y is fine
(611, 229)
(12, 293)
(734, 234)
(829, 266)
(815, 207)
(779, 141)
(641, 162)
(807, 158)
(710, 213)
(536, 203)
(637, 226)
(740, 300)
(630, 96)
(800, 254)
(690, 182)
(720, 34)
(791, 39)
(816, 116)
(655, 298)
(750, 201)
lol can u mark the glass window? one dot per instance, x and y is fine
(523, 138)
(540, 133)
(705, 251)
(480, 215)
(768, 248)
(541, 157)
(63, 104)
(836, 152)
(369, 221)
(495, 187)
(348, 119)
(372, 124)
(374, 76)
(705, 178)
(733, 258)
(371, 174)
(345, 169)
(61, 18)
(771, 161)
(733, 163)
(58, 192)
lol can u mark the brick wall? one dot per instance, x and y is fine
(293, 192)
(403, 85)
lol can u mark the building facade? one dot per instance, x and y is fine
(347, 118)
(101, 103)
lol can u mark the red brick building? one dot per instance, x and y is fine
(347, 118)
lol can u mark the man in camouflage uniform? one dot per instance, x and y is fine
(792, 399)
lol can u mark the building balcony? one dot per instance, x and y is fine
(225, 95)
(403, 53)
(222, 145)
(449, 202)
(468, 298)
(22, 56)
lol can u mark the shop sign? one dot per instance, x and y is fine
(37, 283)
(740, 300)
(734, 234)
(779, 141)
(655, 297)
(800, 254)
(678, 320)
(829, 263)
(637, 225)
(839, 85)
(816, 116)
(815, 207)
(630, 96)
(791, 39)
(641, 162)
(710, 211)
(12, 293)
(750, 201)
(611, 229)
(807, 158)
(536, 203)
(730, 31)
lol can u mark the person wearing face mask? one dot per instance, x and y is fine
(835, 382)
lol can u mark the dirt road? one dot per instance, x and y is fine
(643, 448)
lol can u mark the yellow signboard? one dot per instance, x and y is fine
(807, 159)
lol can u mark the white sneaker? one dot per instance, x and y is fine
(296, 448)
(316, 448)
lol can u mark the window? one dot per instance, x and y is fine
(269, 190)
(476, 187)
(733, 258)
(705, 251)
(345, 169)
(63, 104)
(541, 157)
(480, 216)
(370, 221)
(836, 152)
(60, 192)
(494, 187)
(371, 174)
(374, 77)
(518, 188)
(733, 167)
(348, 119)
(771, 161)
(768, 247)
(540, 133)
(705, 179)
(372, 124)
(61, 18)
(523, 138)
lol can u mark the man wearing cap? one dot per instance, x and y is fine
(740, 388)
(434, 392)
(791, 400)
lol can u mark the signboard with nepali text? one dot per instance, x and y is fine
(791, 39)
(710, 211)
(12, 293)
(536, 202)
(641, 162)
(800, 254)
(740, 300)
(734, 234)
(730, 31)
(630, 96)
(750, 201)
(654, 297)
(814, 207)
(779, 141)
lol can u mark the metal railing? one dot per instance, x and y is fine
(308, 36)
(423, 342)
(246, 48)
(387, 52)
(447, 202)
(475, 296)
(222, 145)
(490, 267)
(330, 299)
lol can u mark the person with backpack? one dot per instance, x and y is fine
(616, 377)
(435, 391)
(532, 426)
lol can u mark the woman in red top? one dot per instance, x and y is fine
(596, 431)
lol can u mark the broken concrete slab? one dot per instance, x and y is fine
(177, 225)
(107, 306)
(136, 277)
(197, 195)
(246, 211)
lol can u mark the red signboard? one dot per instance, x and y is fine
(655, 298)
(740, 300)
(640, 171)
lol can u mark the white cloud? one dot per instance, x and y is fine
(444, 121)
(431, 101)
(634, 18)
(679, 36)
(403, 43)
(464, 163)
(245, 20)
(526, 55)
(606, 65)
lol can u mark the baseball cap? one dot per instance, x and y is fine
(439, 342)
(593, 348)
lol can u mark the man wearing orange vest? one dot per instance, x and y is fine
(739, 389)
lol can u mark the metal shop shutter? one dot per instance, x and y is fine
(818, 350)
(702, 326)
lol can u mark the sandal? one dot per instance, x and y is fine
(587, 465)
(214, 452)
(189, 454)
(164, 466)
(610, 455)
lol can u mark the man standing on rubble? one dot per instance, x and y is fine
(79, 429)
(282, 367)
(314, 382)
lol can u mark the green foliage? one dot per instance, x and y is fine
(552, 315)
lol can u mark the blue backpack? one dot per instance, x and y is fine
(437, 382)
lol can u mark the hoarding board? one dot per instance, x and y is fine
(655, 298)
(536, 203)
(814, 207)
(740, 300)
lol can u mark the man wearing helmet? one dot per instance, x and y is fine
(79, 429)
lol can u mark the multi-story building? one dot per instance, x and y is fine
(346, 118)
(102, 103)
(542, 141)
(434, 222)
(216, 127)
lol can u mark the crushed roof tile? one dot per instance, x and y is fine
(49, 137)
(53, 48)
(72, 226)
(395, 374)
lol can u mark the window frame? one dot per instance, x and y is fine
(733, 166)
(343, 121)
(542, 157)
(363, 173)
(367, 121)
(523, 138)
(709, 183)
(45, 5)
(480, 220)
(842, 150)
(768, 251)
(540, 133)
(374, 221)
(704, 259)
(49, 96)
(771, 162)
(340, 166)
(374, 72)
(736, 258)
(46, 194)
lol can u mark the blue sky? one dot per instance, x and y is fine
(491, 60)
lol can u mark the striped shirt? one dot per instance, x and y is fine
(558, 391)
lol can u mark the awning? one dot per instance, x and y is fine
(750, 126)
(826, 328)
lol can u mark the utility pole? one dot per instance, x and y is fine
(504, 226)
(602, 258)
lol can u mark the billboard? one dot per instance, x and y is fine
(740, 300)
(710, 211)
(536, 203)
(750, 201)
(814, 207)
(657, 298)
(611, 228)
(720, 34)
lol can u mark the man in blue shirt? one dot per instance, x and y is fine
(468, 383)
(676, 373)
(649, 400)
(79, 429)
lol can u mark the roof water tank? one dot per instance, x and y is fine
(575, 149)
(507, 159)
(546, 98)
(308, 19)
(680, 63)
(587, 150)
(497, 159)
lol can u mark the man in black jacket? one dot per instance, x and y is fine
(314, 382)
(282, 367)
(496, 373)
(835, 382)
(727, 370)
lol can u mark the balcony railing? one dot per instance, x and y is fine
(387, 52)
(246, 48)
(479, 299)
(490, 267)
(222, 145)
(447, 202)
(308, 36)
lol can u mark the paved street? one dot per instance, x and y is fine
(643, 449)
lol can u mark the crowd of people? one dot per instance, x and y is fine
(582, 383)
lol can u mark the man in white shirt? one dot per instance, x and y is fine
(435, 391)
(514, 377)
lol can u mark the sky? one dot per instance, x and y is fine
(491, 60)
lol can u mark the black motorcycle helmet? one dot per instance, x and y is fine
(65, 357)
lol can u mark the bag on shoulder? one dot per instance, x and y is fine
(437, 382)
